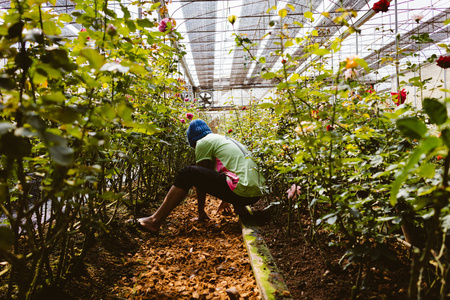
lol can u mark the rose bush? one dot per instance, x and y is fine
(93, 128)
(367, 167)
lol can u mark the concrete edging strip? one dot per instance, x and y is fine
(270, 283)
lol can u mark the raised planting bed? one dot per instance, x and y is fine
(268, 278)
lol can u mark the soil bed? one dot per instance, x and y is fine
(311, 269)
(187, 260)
(190, 260)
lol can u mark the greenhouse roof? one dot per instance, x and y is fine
(213, 62)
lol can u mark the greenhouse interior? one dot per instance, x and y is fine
(258, 149)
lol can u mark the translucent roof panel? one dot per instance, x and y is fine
(217, 64)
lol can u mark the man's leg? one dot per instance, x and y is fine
(173, 198)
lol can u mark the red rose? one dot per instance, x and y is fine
(230, 130)
(439, 157)
(244, 108)
(382, 5)
(443, 62)
(329, 128)
(402, 97)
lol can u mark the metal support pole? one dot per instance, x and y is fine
(397, 63)
(445, 83)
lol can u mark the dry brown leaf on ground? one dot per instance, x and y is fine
(192, 260)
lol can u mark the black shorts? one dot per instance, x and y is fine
(211, 182)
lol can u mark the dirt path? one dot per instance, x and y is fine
(190, 260)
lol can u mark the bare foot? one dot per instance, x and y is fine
(198, 219)
(148, 224)
(202, 217)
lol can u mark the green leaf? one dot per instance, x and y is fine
(95, 59)
(288, 43)
(62, 155)
(262, 60)
(126, 12)
(145, 23)
(65, 18)
(266, 105)
(6, 82)
(58, 58)
(425, 146)
(110, 13)
(14, 146)
(292, 7)
(63, 115)
(6, 238)
(142, 127)
(321, 52)
(282, 85)
(57, 97)
(74, 131)
(308, 15)
(271, 8)
(332, 220)
(138, 69)
(131, 25)
(15, 30)
(50, 28)
(412, 127)
(427, 170)
(436, 110)
(282, 13)
(269, 75)
(108, 111)
(446, 220)
(445, 136)
(124, 111)
(298, 24)
(362, 63)
(376, 160)
(278, 109)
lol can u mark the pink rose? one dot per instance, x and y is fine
(163, 24)
(293, 191)
(189, 116)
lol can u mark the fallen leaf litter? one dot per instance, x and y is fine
(191, 260)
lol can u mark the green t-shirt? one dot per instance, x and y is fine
(228, 157)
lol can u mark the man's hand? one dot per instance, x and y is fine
(225, 206)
